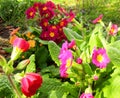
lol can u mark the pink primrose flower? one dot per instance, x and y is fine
(30, 12)
(100, 58)
(86, 95)
(66, 62)
(72, 44)
(113, 30)
(97, 19)
(30, 84)
(21, 44)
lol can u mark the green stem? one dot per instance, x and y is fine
(14, 86)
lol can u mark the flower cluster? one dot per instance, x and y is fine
(52, 18)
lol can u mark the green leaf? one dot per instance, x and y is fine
(3, 61)
(6, 90)
(42, 41)
(54, 50)
(31, 67)
(52, 86)
(110, 88)
(113, 51)
(70, 34)
(94, 41)
(87, 69)
(41, 56)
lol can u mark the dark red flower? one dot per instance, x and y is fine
(50, 4)
(63, 23)
(37, 5)
(44, 23)
(30, 12)
(30, 84)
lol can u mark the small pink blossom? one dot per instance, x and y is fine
(97, 19)
(79, 60)
(95, 77)
(72, 44)
(86, 95)
(100, 58)
(113, 30)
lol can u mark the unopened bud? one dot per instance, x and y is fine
(23, 64)
(95, 77)
(79, 61)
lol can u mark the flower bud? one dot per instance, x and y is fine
(79, 61)
(23, 64)
(95, 77)
(30, 84)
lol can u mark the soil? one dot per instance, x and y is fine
(4, 37)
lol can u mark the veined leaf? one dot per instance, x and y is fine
(54, 50)
(113, 51)
(70, 34)
(5, 88)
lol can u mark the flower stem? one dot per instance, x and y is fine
(14, 86)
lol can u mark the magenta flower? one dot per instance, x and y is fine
(72, 44)
(30, 12)
(66, 58)
(100, 58)
(97, 19)
(30, 84)
(113, 30)
(66, 62)
(86, 95)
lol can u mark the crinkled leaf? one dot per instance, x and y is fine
(70, 34)
(113, 51)
(54, 50)
(109, 88)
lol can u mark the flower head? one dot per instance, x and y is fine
(113, 30)
(30, 12)
(30, 84)
(86, 95)
(97, 19)
(100, 58)
(19, 45)
(66, 58)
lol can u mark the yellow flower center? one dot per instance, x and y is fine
(68, 62)
(112, 30)
(54, 27)
(99, 58)
(62, 23)
(45, 24)
(52, 34)
(44, 8)
(31, 13)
